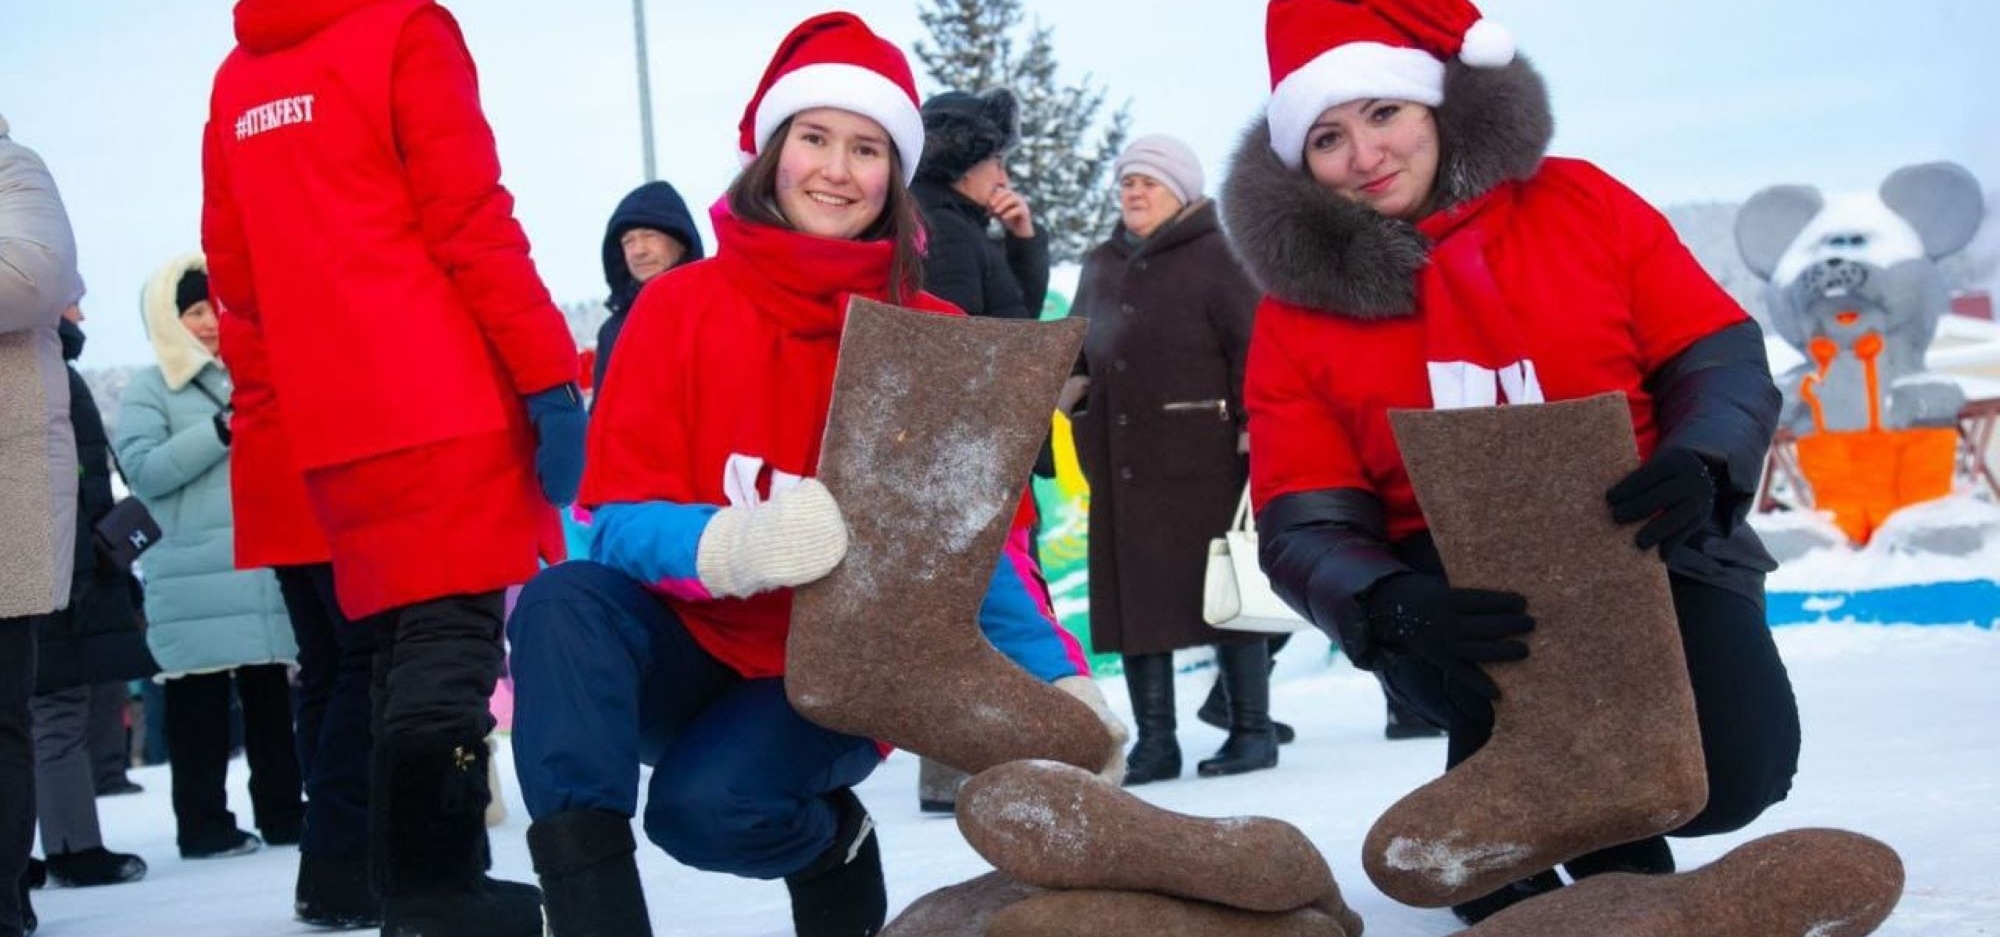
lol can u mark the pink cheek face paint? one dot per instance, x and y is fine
(785, 179)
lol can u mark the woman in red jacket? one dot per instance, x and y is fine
(667, 648)
(1417, 250)
(392, 343)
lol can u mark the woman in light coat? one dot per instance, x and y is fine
(208, 621)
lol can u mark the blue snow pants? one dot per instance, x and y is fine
(606, 678)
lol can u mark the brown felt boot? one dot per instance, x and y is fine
(1061, 827)
(1595, 741)
(960, 910)
(1143, 914)
(1812, 883)
(934, 424)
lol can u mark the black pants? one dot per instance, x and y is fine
(1742, 694)
(435, 666)
(332, 730)
(17, 765)
(198, 737)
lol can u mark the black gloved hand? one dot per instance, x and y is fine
(221, 421)
(1676, 488)
(1456, 629)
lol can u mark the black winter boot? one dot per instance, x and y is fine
(333, 892)
(97, 865)
(428, 832)
(590, 880)
(35, 876)
(842, 893)
(1156, 756)
(1481, 908)
(1649, 856)
(1215, 710)
(1252, 744)
(1406, 723)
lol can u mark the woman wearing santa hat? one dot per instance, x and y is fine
(1417, 248)
(669, 648)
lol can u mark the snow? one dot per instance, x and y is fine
(1902, 742)
(1894, 556)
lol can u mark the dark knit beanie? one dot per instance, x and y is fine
(962, 130)
(192, 289)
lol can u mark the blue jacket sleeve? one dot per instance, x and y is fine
(1018, 625)
(654, 542)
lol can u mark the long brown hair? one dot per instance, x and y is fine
(753, 197)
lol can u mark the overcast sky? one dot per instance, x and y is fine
(1683, 99)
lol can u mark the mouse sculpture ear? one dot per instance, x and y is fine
(1767, 225)
(1941, 200)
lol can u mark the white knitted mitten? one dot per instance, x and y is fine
(1085, 689)
(796, 537)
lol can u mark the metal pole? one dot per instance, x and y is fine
(645, 88)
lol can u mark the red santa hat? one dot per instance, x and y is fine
(1326, 53)
(835, 60)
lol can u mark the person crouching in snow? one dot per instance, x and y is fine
(669, 648)
(386, 328)
(1398, 211)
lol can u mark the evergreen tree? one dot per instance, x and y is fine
(1063, 164)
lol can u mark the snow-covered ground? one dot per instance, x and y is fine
(1902, 742)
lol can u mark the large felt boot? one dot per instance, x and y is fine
(1821, 883)
(428, 832)
(590, 879)
(1595, 741)
(1252, 744)
(1142, 914)
(1056, 826)
(961, 910)
(842, 894)
(888, 646)
(1156, 756)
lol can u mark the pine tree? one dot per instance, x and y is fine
(1065, 179)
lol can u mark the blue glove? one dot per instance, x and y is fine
(560, 421)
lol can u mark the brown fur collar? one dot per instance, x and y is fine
(1304, 245)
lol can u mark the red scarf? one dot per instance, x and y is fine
(1473, 346)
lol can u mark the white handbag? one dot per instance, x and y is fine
(1235, 593)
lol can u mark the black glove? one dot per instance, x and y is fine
(221, 419)
(1676, 488)
(1456, 629)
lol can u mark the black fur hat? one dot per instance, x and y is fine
(961, 130)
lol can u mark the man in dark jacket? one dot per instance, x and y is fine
(961, 185)
(650, 233)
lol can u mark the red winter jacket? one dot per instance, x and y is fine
(1602, 293)
(720, 390)
(376, 293)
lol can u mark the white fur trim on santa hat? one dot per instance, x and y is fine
(1346, 73)
(1487, 45)
(849, 88)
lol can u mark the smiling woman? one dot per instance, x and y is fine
(836, 173)
(704, 446)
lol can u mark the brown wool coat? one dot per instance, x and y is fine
(1169, 329)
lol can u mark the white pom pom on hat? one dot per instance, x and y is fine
(1487, 45)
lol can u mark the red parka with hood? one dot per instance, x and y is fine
(377, 298)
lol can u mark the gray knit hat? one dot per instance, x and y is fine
(1166, 160)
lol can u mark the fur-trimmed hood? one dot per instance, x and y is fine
(1307, 246)
(181, 357)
